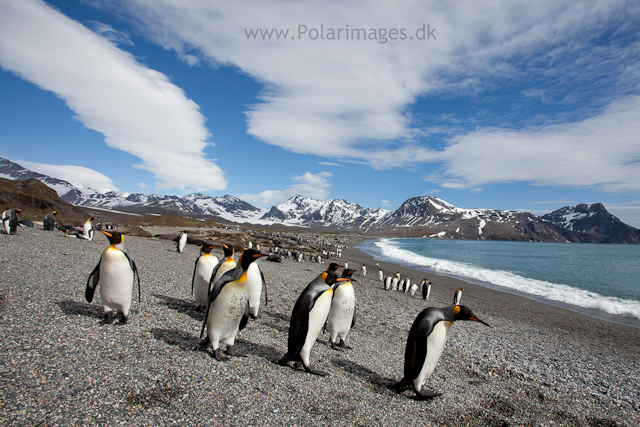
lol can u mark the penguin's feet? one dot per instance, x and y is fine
(217, 354)
(335, 346)
(231, 351)
(108, 318)
(315, 371)
(285, 359)
(254, 316)
(426, 394)
(202, 345)
(124, 319)
(344, 345)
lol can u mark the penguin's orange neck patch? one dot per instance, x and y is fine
(456, 310)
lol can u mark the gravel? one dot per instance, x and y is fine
(61, 366)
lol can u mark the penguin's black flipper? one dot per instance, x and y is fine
(92, 282)
(353, 321)
(134, 267)
(416, 350)
(193, 279)
(264, 282)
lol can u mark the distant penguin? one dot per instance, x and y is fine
(224, 265)
(387, 283)
(88, 229)
(26, 223)
(258, 247)
(426, 289)
(346, 265)
(250, 245)
(425, 343)
(380, 275)
(227, 307)
(182, 241)
(202, 271)
(457, 296)
(50, 221)
(342, 315)
(255, 282)
(10, 220)
(413, 289)
(394, 283)
(307, 319)
(364, 271)
(401, 285)
(407, 284)
(116, 273)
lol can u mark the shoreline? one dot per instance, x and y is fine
(390, 267)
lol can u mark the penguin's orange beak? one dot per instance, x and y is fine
(108, 234)
(475, 319)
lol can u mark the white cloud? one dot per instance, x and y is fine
(601, 152)
(142, 185)
(109, 33)
(476, 190)
(310, 185)
(77, 175)
(137, 109)
(385, 203)
(331, 164)
(350, 99)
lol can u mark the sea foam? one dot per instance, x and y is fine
(539, 288)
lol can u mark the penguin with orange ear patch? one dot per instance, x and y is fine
(425, 343)
(227, 310)
(116, 272)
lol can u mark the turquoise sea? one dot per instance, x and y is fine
(600, 277)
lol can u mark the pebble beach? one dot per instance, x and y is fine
(536, 365)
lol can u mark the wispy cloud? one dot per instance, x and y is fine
(108, 32)
(385, 203)
(330, 164)
(351, 99)
(137, 109)
(315, 186)
(78, 175)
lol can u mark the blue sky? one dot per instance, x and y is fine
(506, 105)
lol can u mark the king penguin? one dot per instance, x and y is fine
(413, 289)
(50, 221)
(457, 296)
(10, 220)
(364, 271)
(182, 241)
(307, 319)
(87, 229)
(387, 283)
(202, 273)
(394, 283)
(116, 272)
(342, 316)
(426, 289)
(380, 275)
(223, 266)
(255, 281)
(425, 343)
(227, 307)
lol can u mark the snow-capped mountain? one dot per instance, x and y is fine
(423, 216)
(594, 219)
(66, 190)
(334, 213)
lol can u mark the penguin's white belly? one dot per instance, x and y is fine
(435, 345)
(394, 284)
(341, 313)
(254, 288)
(225, 313)
(204, 268)
(116, 281)
(317, 317)
(457, 298)
(5, 222)
(428, 292)
(182, 243)
(87, 231)
(413, 289)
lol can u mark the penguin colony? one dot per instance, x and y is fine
(230, 294)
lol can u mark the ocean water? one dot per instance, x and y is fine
(592, 276)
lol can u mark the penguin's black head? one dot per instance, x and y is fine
(115, 237)
(228, 249)
(206, 248)
(18, 211)
(55, 213)
(92, 218)
(248, 257)
(462, 312)
(347, 273)
(331, 278)
(333, 266)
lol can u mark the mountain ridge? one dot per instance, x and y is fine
(420, 216)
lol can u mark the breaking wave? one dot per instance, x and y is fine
(566, 294)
